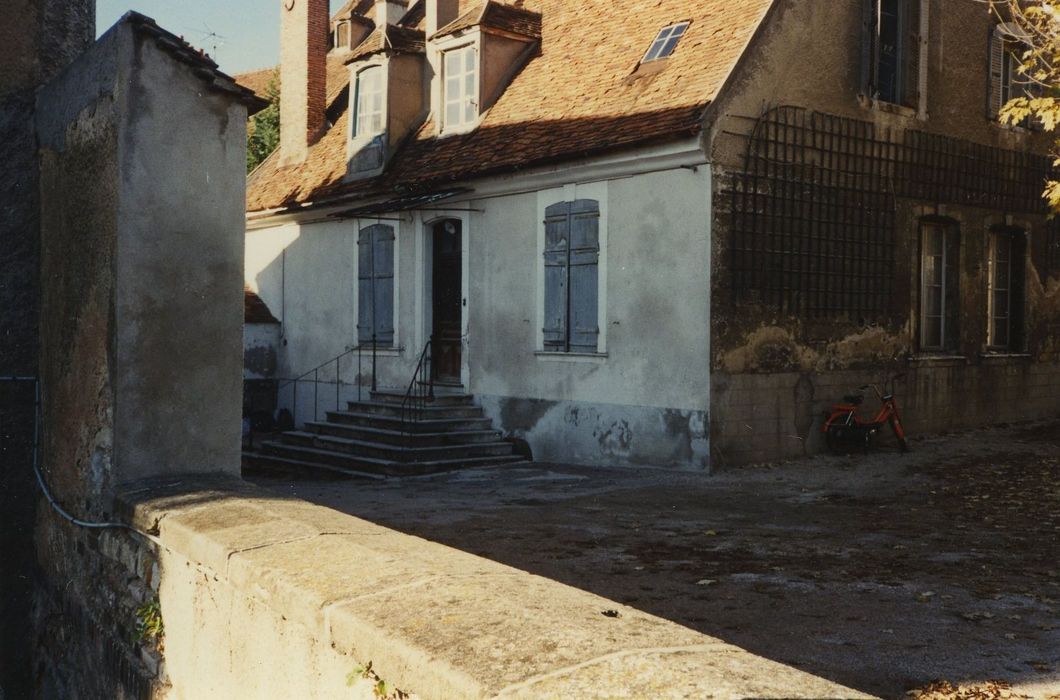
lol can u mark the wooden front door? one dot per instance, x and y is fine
(446, 300)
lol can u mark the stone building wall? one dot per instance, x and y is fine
(859, 188)
(39, 37)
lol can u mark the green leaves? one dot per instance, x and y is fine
(263, 132)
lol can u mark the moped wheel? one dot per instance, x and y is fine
(834, 438)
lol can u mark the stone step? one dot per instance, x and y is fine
(354, 463)
(395, 437)
(261, 464)
(428, 411)
(396, 453)
(440, 398)
(428, 425)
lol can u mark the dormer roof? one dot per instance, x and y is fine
(494, 15)
(389, 38)
(573, 99)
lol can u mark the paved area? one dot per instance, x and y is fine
(937, 570)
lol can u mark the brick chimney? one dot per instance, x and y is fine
(441, 13)
(303, 76)
(388, 12)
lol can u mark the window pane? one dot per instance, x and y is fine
(469, 59)
(933, 301)
(933, 270)
(452, 113)
(452, 63)
(932, 333)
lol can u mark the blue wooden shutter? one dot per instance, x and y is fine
(383, 282)
(557, 252)
(365, 288)
(584, 273)
(868, 47)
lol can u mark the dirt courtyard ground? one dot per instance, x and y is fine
(883, 572)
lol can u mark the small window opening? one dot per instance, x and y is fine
(342, 35)
(460, 87)
(665, 42)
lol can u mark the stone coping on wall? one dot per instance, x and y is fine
(438, 622)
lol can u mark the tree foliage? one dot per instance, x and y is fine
(1035, 30)
(263, 134)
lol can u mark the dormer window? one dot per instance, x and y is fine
(460, 87)
(368, 107)
(342, 35)
(665, 42)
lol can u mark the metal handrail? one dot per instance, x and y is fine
(359, 349)
(419, 393)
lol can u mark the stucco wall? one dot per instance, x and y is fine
(151, 209)
(643, 400)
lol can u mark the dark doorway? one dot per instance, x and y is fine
(446, 300)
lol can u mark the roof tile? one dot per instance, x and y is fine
(579, 95)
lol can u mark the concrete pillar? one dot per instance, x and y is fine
(142, 199)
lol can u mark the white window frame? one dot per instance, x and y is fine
(662, 38)
(355, 112)
(597, 191)
(463, 125)
(992, 311)
(943, 232)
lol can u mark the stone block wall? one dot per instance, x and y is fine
(772, 416)
(40, 37)
(97, 594)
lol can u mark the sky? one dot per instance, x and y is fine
(249, 30)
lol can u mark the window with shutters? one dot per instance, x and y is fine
(890, 70)
(939, 286)
(1006, 82)
(1006, 267)
(375, 285)
(571, 259)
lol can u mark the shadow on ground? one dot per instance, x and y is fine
(882, 572)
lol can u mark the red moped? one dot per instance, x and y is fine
(844, 429)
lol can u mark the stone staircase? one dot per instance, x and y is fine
(367, 440)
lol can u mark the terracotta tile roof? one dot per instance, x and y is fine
(578, 96)
(394, 38)
(203, 66)
(254, 309)
(258, 80)
(337, 80)
(357, 7)
(497, 16)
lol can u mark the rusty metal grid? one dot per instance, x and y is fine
(814, 210)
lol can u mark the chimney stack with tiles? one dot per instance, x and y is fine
(303, 76)
(388, 12)
(441, 13)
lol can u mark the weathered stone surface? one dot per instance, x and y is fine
(432, 620)
(718, 672)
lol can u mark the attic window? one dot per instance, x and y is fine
(666, 42)
(342, 35)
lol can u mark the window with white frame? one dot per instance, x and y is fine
(939, 286)
(459, 87)
(368, 106)
(1006, 289)
(375, 285)
(665, 42)
(572, 257)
